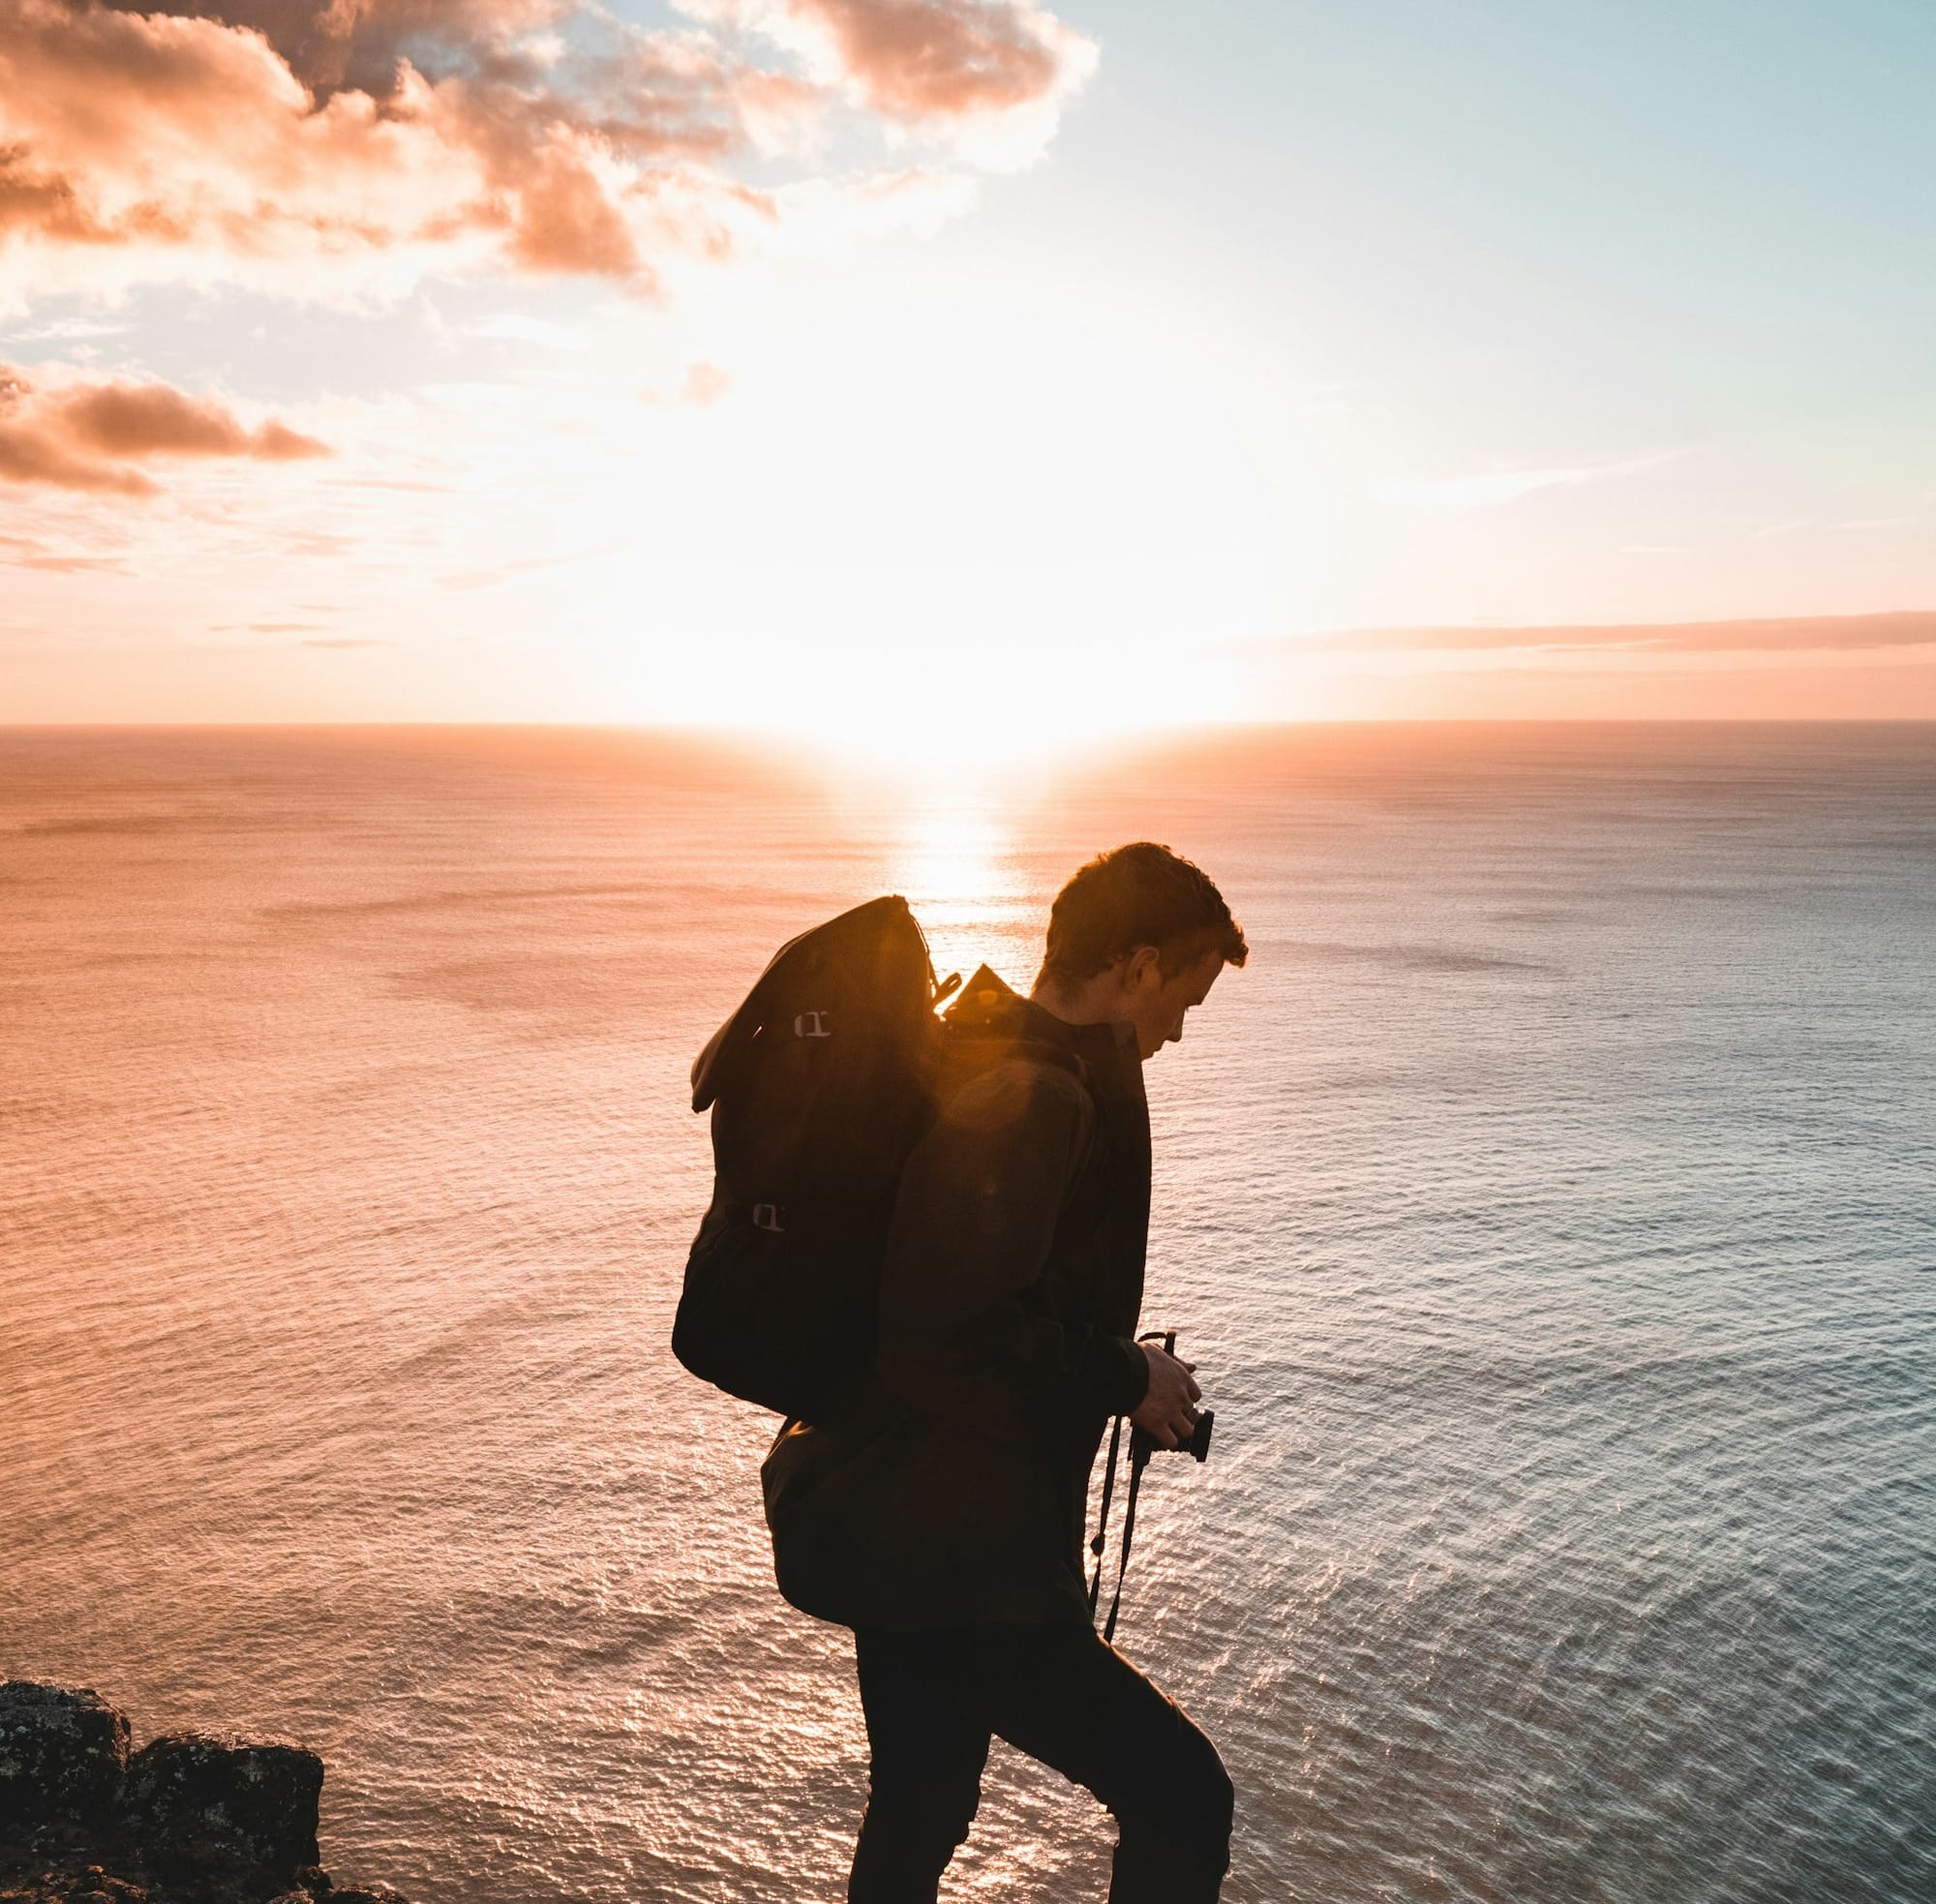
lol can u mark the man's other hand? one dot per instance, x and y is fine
(1166, 1414)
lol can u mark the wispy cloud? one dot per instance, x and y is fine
(267, 627)
(489, 578)
(321, 542)
(65, 330)
(69, 564)
(1493, 488)
(404, 485)
(62, 431)
(515, 328)
(702, 386)
(1902, 629)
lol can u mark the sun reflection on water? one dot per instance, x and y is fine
(959, 867)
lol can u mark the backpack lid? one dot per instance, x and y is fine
(716, 1063)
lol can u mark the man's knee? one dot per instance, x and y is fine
(1214, 1801)
(1183, 1810)
(933, 1804)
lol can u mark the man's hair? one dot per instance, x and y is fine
(1142, 894)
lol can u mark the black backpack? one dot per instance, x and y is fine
(820, 1084)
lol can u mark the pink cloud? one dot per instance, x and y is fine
(333, 45)
(69, 564)
(88, 436)
(947, 57)
(1897, 628)
(338, 147)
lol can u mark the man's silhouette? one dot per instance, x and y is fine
(942, 1518)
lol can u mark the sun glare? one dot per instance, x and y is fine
(952, 855)
(950, 860)
(1052, 541)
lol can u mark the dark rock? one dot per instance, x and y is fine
(200, 1802)
(188, 1820)
(94, 1885)
(62, 1755)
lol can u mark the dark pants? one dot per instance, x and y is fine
(1059, 1694)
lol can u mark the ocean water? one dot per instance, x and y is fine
(1550, 1207)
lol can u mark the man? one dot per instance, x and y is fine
(943, 1516)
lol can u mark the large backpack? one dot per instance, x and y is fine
(819, 1084)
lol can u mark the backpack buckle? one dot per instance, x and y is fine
(811, 1024)
(767, 1216)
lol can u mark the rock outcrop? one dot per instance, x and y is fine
(186, 1820)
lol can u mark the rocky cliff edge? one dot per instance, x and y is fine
(186, 1820)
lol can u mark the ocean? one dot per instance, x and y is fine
(1550, 1207)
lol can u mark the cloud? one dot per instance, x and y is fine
(1491, 489)
(154, 419)
(515, 328)
(489, 578)
(987, 78)
(946, 58)
(349, 149)
(403, 485)
(1843, 633)
(65, 330)
(175, 144)
(703, 386)
(321, 542)
(69, 564)
(345, 641)
(63, 433)
(337, 45)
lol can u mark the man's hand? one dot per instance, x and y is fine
(1166, 1414)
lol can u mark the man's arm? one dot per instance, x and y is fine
(972, 1229)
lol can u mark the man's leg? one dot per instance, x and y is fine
(1062, 1696)
(926, 1750)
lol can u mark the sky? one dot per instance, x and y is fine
(956, 369)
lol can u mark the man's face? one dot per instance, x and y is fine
(1157, 1004)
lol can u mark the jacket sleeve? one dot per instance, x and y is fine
(973, 1225)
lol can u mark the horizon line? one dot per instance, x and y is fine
(1088, 738)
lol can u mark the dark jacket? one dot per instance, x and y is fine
(956, 1490)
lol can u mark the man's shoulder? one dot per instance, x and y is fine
(1019, 1086)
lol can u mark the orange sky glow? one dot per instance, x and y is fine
(954, 369)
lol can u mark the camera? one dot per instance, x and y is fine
(1143, 1445)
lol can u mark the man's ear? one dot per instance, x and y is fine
(1142, 969)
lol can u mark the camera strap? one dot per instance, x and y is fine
(1140, 1445)
(1102, 1525)
(1139, 1460)
(1139, 1454)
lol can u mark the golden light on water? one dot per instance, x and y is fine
(951, 864)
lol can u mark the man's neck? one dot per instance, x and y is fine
(1086, 1004)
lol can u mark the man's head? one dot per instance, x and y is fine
(1138, 936)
